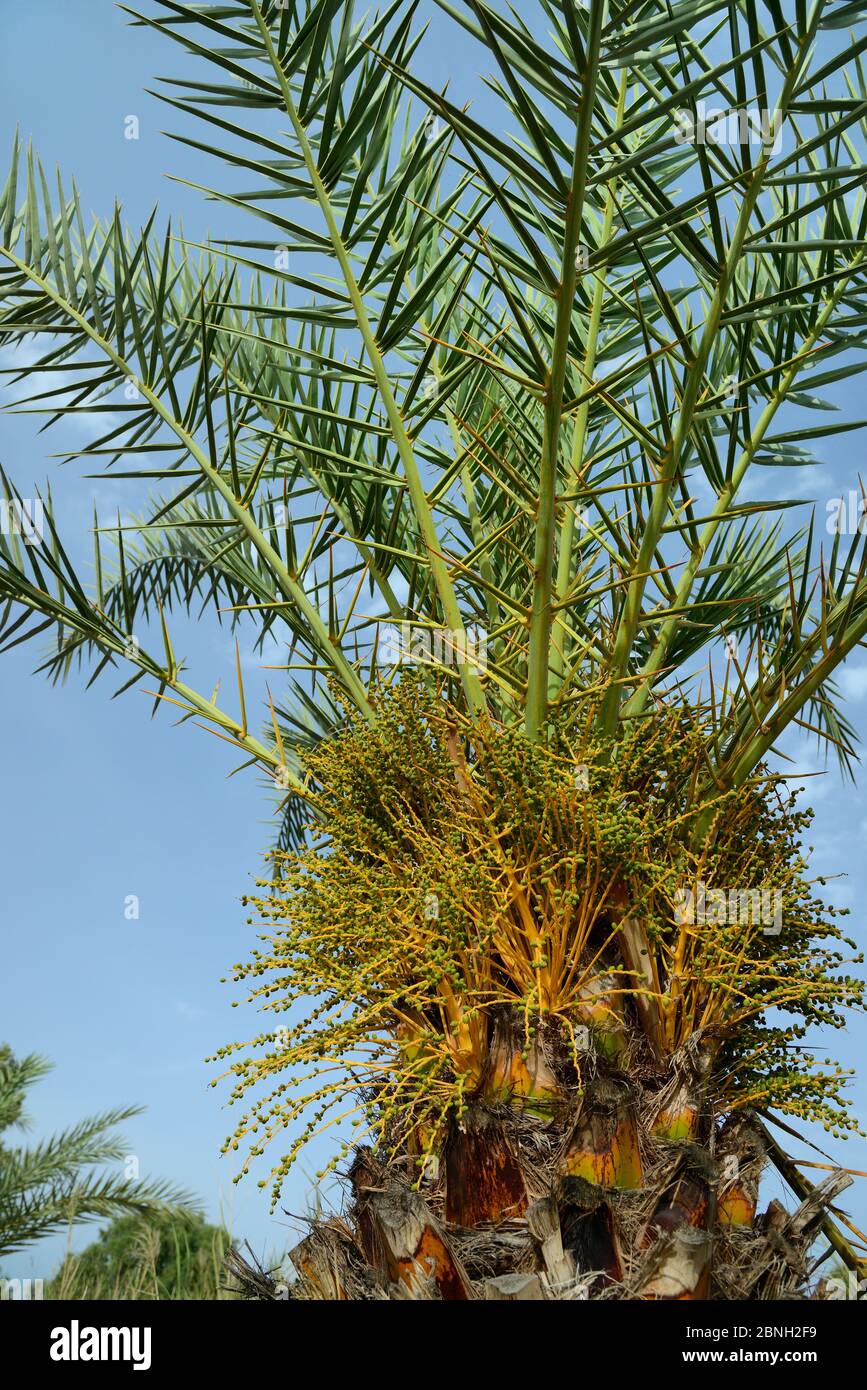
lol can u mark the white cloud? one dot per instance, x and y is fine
(189, 1011)
(853, 682)
(19, 357)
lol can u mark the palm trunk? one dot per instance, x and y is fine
(619, 1186)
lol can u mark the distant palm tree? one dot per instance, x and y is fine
(141, 1257)
(498, 392)
(61, 1181)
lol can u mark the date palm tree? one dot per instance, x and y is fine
(494, 393)
(62, 1181)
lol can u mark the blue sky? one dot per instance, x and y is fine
(100, 802)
